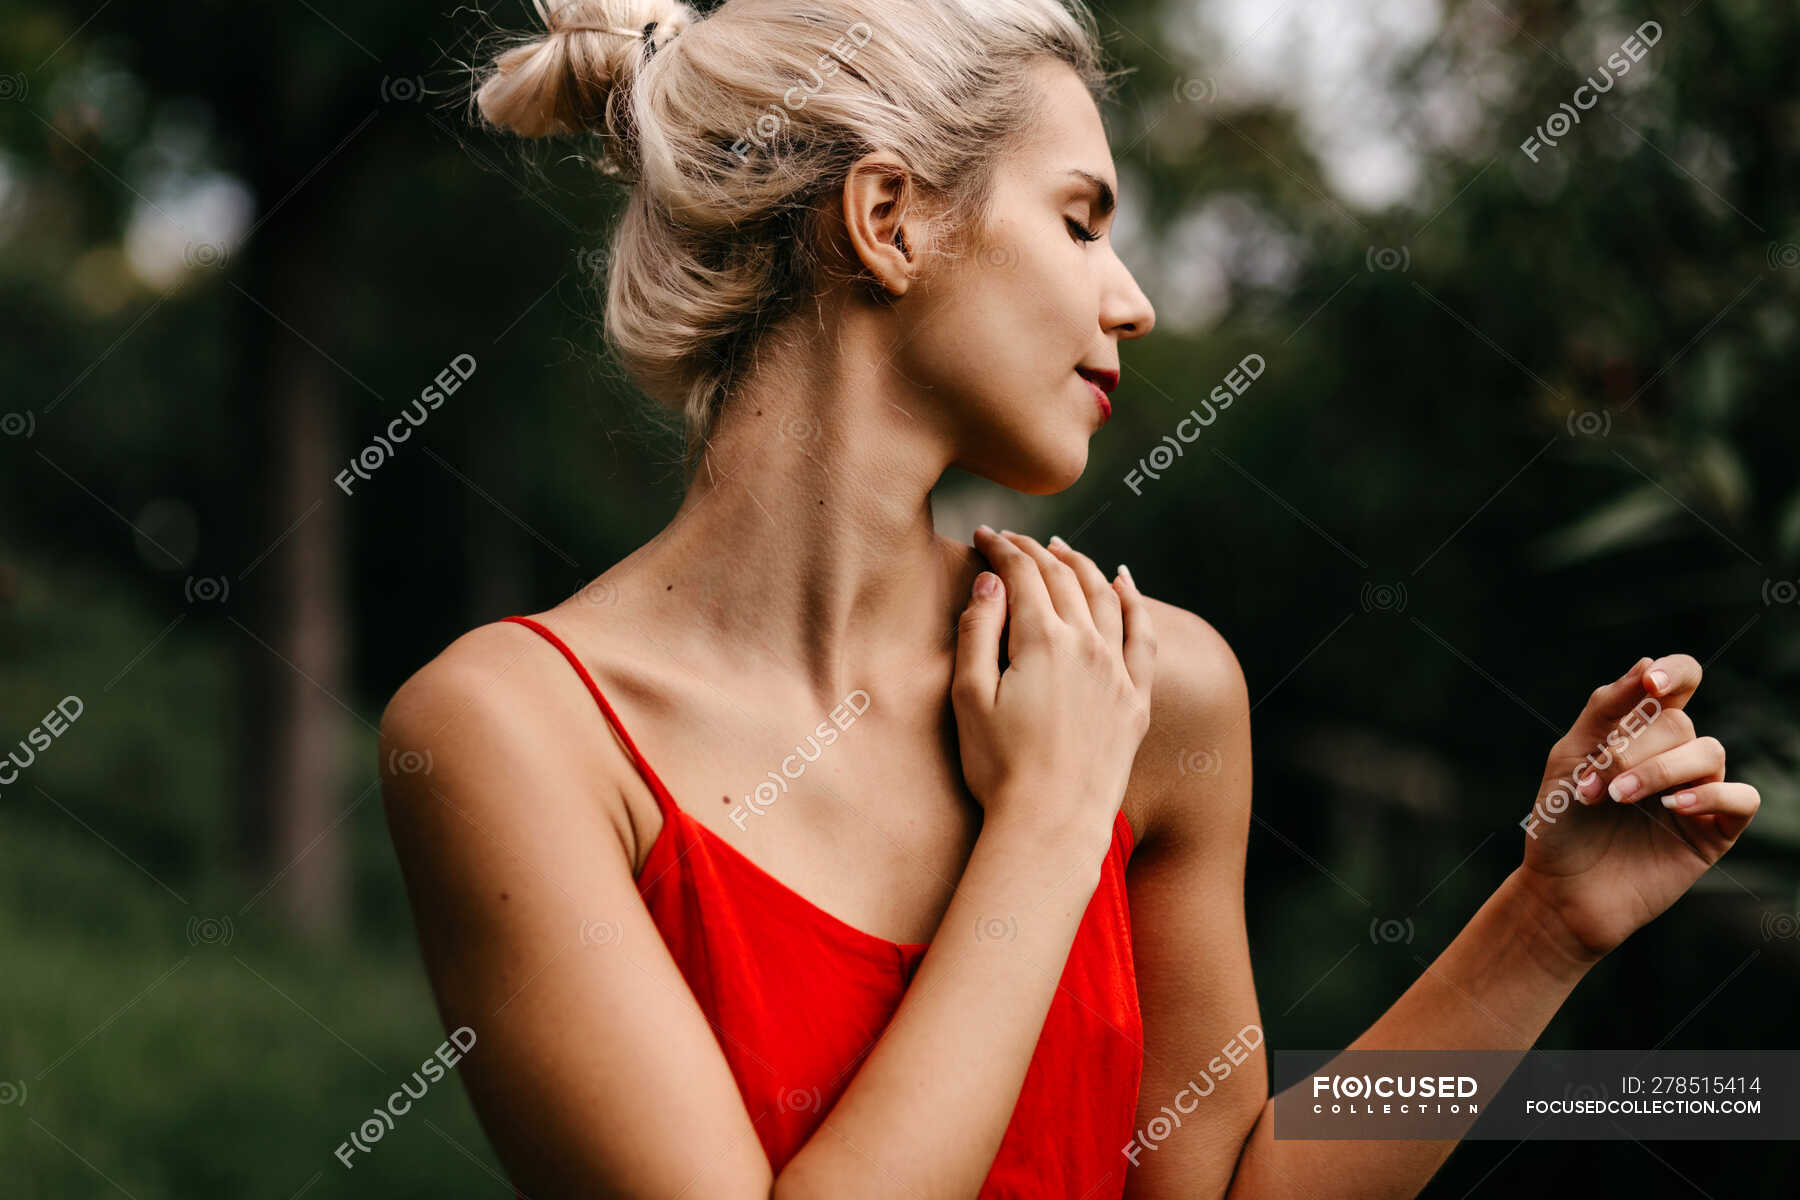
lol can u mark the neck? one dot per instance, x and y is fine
(805, 542)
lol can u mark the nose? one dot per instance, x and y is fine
(1125, 309)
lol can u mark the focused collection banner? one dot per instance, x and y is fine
(1512, 1095)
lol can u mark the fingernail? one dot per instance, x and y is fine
(1056, 540)
(985, 583)
(983, 528)
(1624, 787)
(1006, 533)
(1679, 800)
(1659, 680)
(1589, 787)
(1126, 572)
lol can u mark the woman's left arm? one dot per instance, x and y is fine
(1205, 1081)
(1601, 860)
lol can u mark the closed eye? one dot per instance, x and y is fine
(1081, 232)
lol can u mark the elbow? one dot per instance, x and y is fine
(785, 1189)
(801, 1179)
(792, 1185)
(1239, 1186)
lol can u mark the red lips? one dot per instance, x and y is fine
(1106, 381)
(1101, 382)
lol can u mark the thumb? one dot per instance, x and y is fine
(978, 640)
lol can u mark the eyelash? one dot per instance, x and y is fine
(1081, 231)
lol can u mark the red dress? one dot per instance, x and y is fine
(797, 998)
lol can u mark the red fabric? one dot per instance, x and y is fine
(797, 998)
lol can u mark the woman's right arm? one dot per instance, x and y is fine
(1047, 747)
(594, 1071)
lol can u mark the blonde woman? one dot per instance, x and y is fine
(808, 853)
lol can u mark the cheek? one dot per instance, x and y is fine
(999, 336)
(1023, 306)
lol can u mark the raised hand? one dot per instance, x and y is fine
(1061, 724)
(1633, 808)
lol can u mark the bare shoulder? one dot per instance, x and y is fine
(484, 680)
(496, 716)
(1196, 753)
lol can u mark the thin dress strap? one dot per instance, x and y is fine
(664, 801)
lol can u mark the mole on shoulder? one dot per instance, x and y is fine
(504, 896)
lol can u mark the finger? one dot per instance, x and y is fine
(1733, 803)
(1103, 602)
(1027, 599)
(1609, 702)
(1140, 631)
(977, 674)
(1701, 759)
(1059, 580)
(1672, 679)
(1609, 759)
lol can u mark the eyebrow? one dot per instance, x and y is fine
(1106, 201)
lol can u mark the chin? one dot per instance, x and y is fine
(1043, 470)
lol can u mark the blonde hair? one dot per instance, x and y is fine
(730, 129)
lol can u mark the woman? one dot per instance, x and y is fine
(900, 954)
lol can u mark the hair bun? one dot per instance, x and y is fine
(577, 75)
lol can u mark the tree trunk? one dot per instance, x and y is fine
(303, 593)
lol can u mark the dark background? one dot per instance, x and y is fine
(1521, 423)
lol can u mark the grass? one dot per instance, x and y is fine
(146, 1055)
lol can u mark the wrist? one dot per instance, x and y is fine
(1540, 918)
(1038, 822)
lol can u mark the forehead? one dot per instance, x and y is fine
(1067, 135)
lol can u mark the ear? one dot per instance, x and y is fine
(878, 198)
